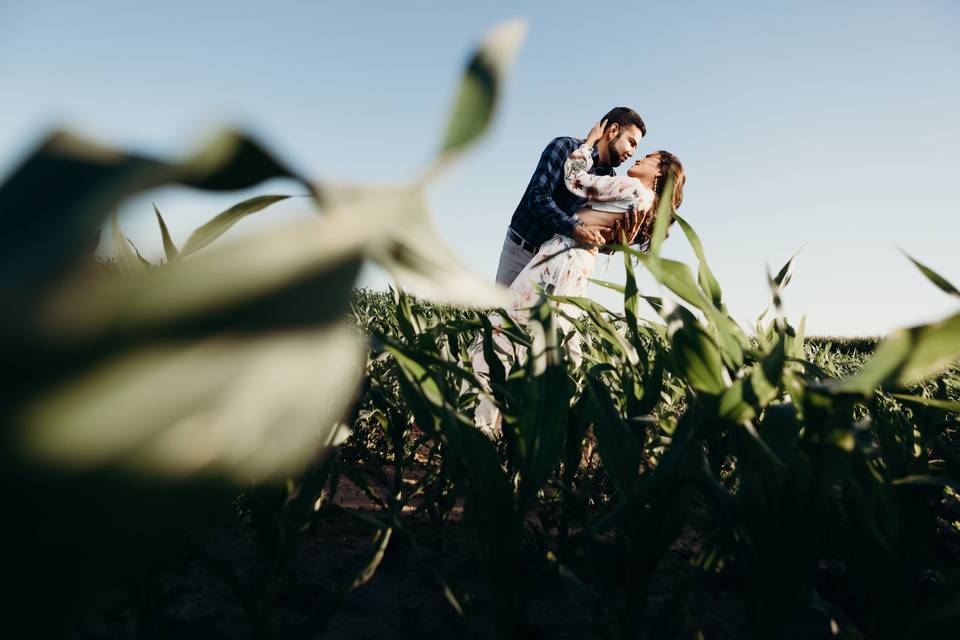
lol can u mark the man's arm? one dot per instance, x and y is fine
(546, 179)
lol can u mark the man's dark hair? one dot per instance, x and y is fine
(625, 116)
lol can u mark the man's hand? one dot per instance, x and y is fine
(586, 234)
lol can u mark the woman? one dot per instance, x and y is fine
(568, 272)
(610, 197)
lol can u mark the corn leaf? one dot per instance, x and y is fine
(169, 248)
(695, 352)
(664, 215)
(222, 223)
(418, 258)
(123, 252)
(91, 180)
(481, 85)
(708, 281)
(936, 403)
(939, 281)
(909, 355)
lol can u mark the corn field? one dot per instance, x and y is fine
(207, 416)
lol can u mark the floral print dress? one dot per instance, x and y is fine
(617, 194)
(567, 273)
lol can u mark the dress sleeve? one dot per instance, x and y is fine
(599, 188)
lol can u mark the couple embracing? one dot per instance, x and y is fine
(576, 198)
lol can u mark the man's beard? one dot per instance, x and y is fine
(612, 153)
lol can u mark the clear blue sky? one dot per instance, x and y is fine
(828, 125)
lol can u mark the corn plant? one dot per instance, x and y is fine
(819, 482)
(758, 449)
(158, 392)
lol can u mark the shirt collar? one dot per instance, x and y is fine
(604, 169)
(597, 166)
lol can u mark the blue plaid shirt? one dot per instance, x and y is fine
(547, 206)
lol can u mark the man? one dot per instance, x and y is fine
(547, 207)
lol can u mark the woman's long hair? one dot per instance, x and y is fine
(669, 164)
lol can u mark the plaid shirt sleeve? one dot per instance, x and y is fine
(547, 177)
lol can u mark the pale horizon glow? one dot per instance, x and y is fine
(829, 128)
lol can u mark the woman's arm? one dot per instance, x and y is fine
(580, 182)
(597, 188)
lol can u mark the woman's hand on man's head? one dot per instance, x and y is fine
(596, 133)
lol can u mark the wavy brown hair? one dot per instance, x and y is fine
(669, 164)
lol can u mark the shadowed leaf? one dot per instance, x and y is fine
(620, 450)
(240, 408)
(937, 403)
(695, 352)
(782, 279)
(91, 180)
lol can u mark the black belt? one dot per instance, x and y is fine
(520, 242)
